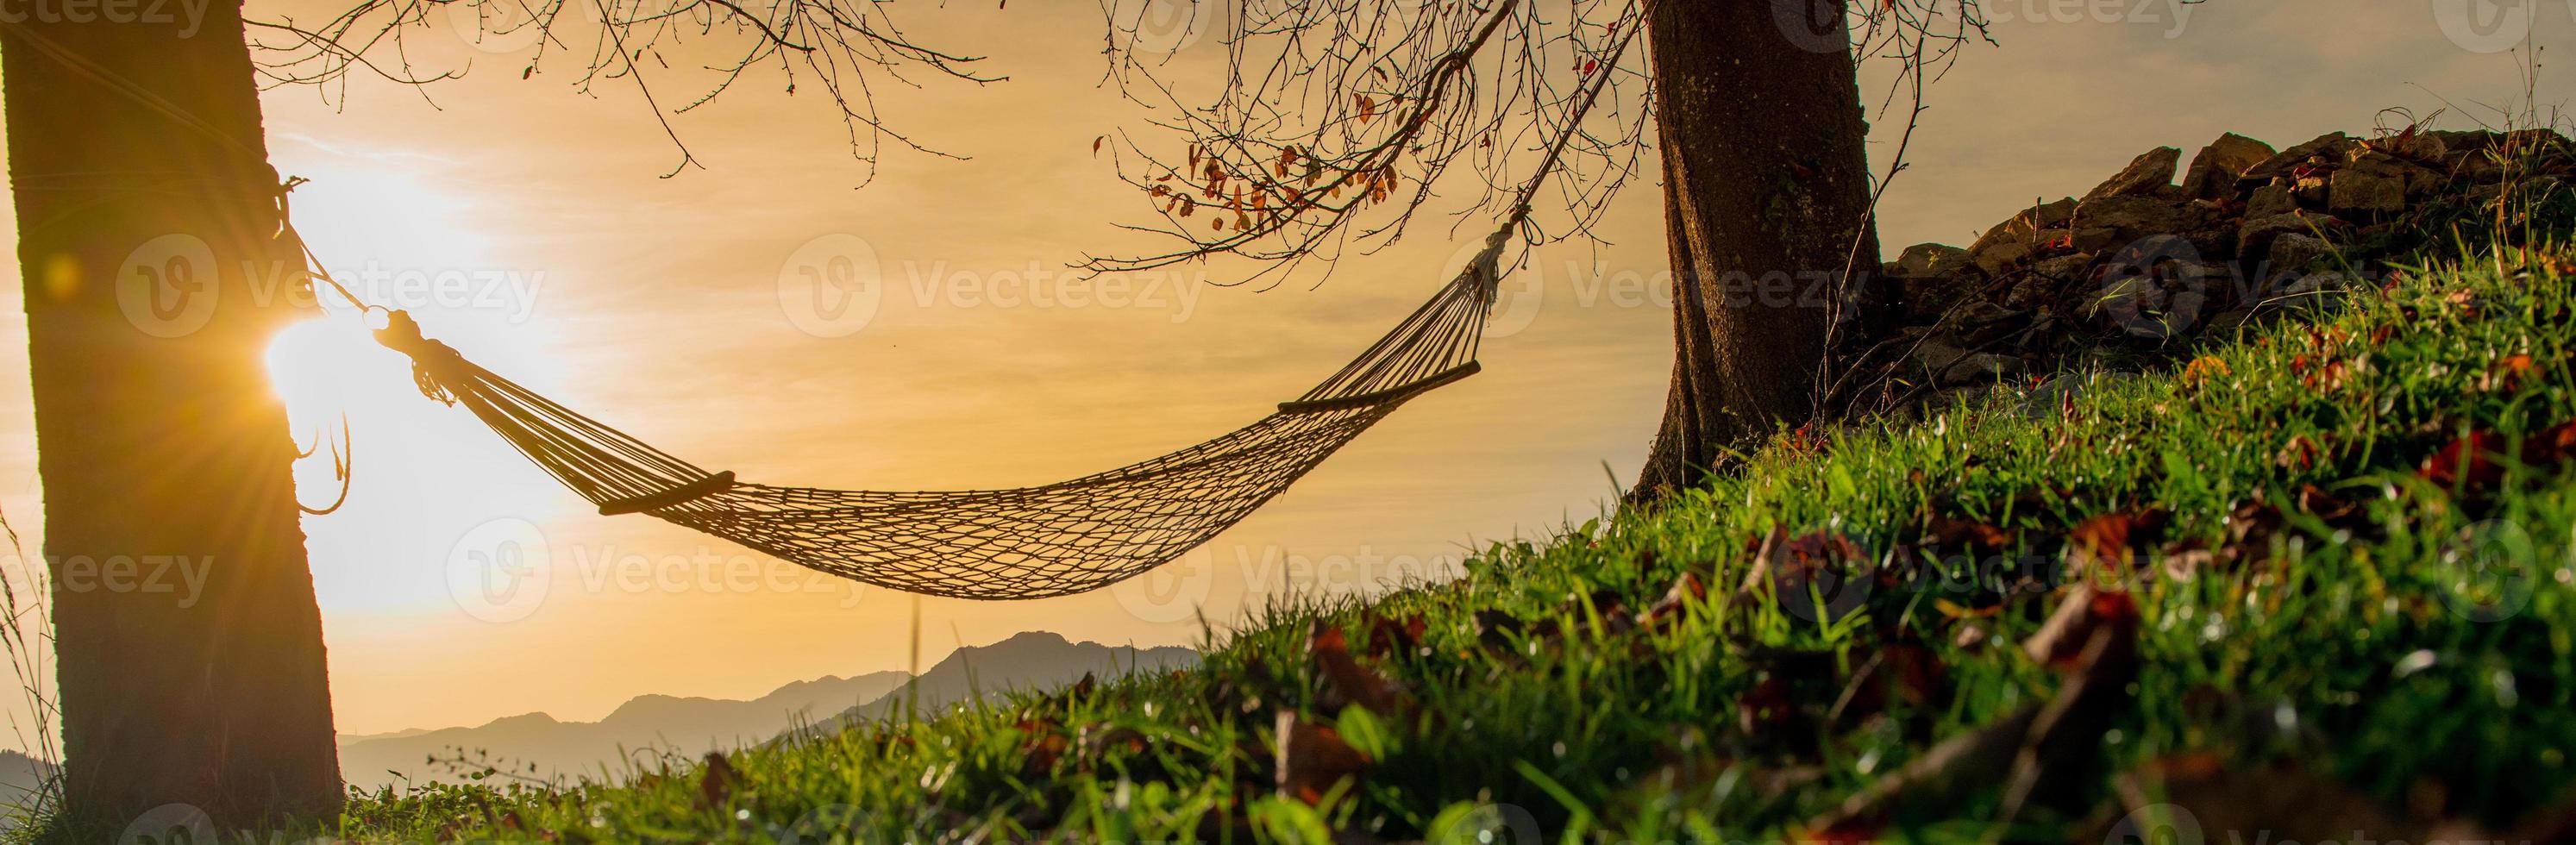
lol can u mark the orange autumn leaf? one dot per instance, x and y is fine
(2204, 368)
(1357, 683)
(1310, 759)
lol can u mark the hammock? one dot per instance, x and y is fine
(1026, 543)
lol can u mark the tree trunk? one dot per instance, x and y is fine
(189, 645)
(1766, 203)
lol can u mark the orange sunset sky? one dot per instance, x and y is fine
(656, 305)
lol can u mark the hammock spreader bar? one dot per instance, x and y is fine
(700, 488)
(1023, 543)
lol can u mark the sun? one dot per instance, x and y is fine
(416, 473)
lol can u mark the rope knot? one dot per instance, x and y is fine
(402, 334)
(1486, 267)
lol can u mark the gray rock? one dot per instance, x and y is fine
(1981, 366)
(2363, 194)
(2227, 322)
(2314, 189)
(1981, 312)
(2214, 171)
(2145, 174)
(2255, 238)
(1930, 260)
(1936, 354)
(2425, 146)
(2001, 255)
(2271, 199)
(2461, 143)
(1927, 297)
(2125, 295)
(2065, 268)
(2086, 239)
(2294, 251)
(2331, 146)
(2024, 227)
(2418, 180)
(2032, 290)
(2132, 218)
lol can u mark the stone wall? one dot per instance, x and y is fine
(2162, 254)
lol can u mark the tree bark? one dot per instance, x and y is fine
(1766, 203)
(148, 236)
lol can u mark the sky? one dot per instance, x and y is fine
(524, 221)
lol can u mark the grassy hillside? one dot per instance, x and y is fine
(2320, 579)
(2314, 580)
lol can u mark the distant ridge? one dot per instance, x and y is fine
(648, 724)
(1033, 660)
(688, 726)
(20, 775)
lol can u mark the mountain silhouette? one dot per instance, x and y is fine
(645, 727)
(1036, 660)
(642, 726)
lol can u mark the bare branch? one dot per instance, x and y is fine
(1334, 123)
(843, 46)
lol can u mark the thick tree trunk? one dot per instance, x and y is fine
(1766, 202)
(190, 647)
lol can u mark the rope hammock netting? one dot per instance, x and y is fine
(1025, 543)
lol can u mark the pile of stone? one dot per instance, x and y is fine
(2145, 261)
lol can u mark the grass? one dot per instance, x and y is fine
(2314, 607)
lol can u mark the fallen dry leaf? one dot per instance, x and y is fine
(1357, 684)
(2286, 803)
(1665, 610)
(2506, 375)
(2107, 544)
(2476, 462)
(1948, 532)
(2065, 741)
(2203, 369)
(716, 784)
(1393, 635)
(1311, 759)
(1046, 745)
(2060, 642)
